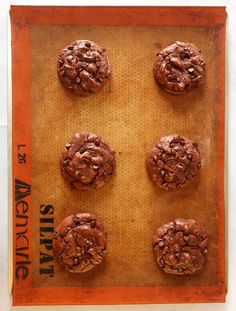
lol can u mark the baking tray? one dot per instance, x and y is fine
(131, 112)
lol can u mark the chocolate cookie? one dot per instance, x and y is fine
(87, 162)
(173, 162)
(179, 67)
(83, 67)
(79, 242)
(180, 246)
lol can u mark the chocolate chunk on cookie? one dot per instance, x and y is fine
(83, 67)
(180, 246)
(79, 242)
(87, 162)
(179, 67)
(173, 162)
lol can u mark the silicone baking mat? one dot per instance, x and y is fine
(131, 112)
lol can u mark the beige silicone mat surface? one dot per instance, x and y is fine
(130, 113)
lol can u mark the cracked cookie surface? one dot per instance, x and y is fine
(179, 67)
(83, 67)
(180, 246)
(87, 162)
(173, 162)
(79, 242)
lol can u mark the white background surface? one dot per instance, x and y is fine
(230, 305)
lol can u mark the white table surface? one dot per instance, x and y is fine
(230, 305)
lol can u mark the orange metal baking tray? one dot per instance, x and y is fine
(131, 113)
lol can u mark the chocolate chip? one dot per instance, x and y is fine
(168, 177)
(161, 262)
(65, 162)
(186, 238)
(168, 66)
(162, 173)
(93, 223)
(155, 158)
